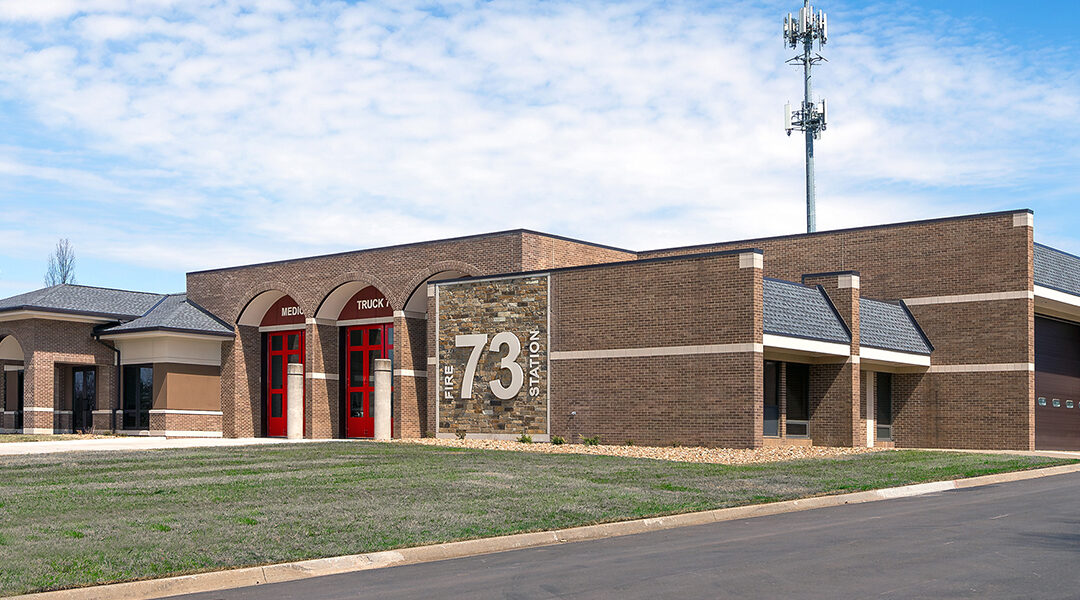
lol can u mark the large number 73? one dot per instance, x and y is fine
(477, 341)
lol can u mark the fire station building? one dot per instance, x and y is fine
(959, 332)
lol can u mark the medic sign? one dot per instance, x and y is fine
(368, 303)
(285, 311)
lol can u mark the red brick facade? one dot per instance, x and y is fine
(709, 398)
(398, 273)
(968, 281)
(50, 348)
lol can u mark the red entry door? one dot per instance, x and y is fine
(282, 348)
(364, 344)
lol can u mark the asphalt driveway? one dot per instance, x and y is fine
(1011, 540)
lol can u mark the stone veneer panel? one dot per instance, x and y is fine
(517, 305)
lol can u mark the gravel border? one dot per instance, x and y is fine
(695, 454)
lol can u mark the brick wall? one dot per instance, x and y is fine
(540, 252)
(7, 421)
(964, 255)
(410, 347)
(981, 254)
(710, 399)
(241, 388)
(835, 416)
(50, 346)
(398, 272)
(171, 422)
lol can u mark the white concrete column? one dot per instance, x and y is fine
(382, 398)
(294, 429)
(871, 407)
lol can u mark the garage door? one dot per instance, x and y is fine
(1057, 385)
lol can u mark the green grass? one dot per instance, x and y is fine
(95, 517)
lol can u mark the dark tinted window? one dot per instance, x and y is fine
(884, 399)
(771, 415)
(138, 396)
(798, 392)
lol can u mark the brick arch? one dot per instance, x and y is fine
(363, 279)
(7, 336)
(259, 289)
(432, 270)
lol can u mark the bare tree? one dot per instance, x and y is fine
(61, 264)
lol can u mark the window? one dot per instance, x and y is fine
(138, 396)
(1057, 403)
(1068, 404)
(1042, 401)
(19, 400)
(771, 414)
(884, 406)
(798, 399)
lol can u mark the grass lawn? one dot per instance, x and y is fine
(94, 517)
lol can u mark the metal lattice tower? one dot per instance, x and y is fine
(803, 30)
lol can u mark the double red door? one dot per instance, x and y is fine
(282, 348)
(364, 344)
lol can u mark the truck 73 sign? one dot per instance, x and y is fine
(504, 341)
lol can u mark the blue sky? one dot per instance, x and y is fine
(163, 136)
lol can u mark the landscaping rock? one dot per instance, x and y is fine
(722, 456)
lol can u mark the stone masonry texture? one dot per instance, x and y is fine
(518, 306)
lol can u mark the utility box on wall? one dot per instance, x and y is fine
(492, 359)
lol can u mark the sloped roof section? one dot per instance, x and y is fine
(796, 310)
(175, 313)
(889, 326)
(1057, 270)
(84, 300)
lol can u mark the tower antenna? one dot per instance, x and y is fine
(803, 30)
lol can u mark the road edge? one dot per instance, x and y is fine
(250, 576)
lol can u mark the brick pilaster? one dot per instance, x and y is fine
(837, 418)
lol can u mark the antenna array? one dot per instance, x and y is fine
(803, 30)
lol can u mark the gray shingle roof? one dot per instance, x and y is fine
(81, 299)
(796, 310)
(890, 326)
(137, 311)
(175, 313)
(1057, 270)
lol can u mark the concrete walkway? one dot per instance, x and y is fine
(1071, 454)
(159, 443)
(132, 443)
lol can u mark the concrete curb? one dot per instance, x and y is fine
(221, 580)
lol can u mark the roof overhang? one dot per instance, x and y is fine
(20, 314)
(163, 333)
(878, 359)
(782, 347)
(1056, 303)
(150, 347)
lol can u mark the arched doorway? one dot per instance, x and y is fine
(415, 381)
(417, 302)
(366, 323)
(282, 325)
(11, 353)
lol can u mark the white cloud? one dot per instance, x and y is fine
(38, 10)
(315, 127)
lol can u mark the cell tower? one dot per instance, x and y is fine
(803, 30)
